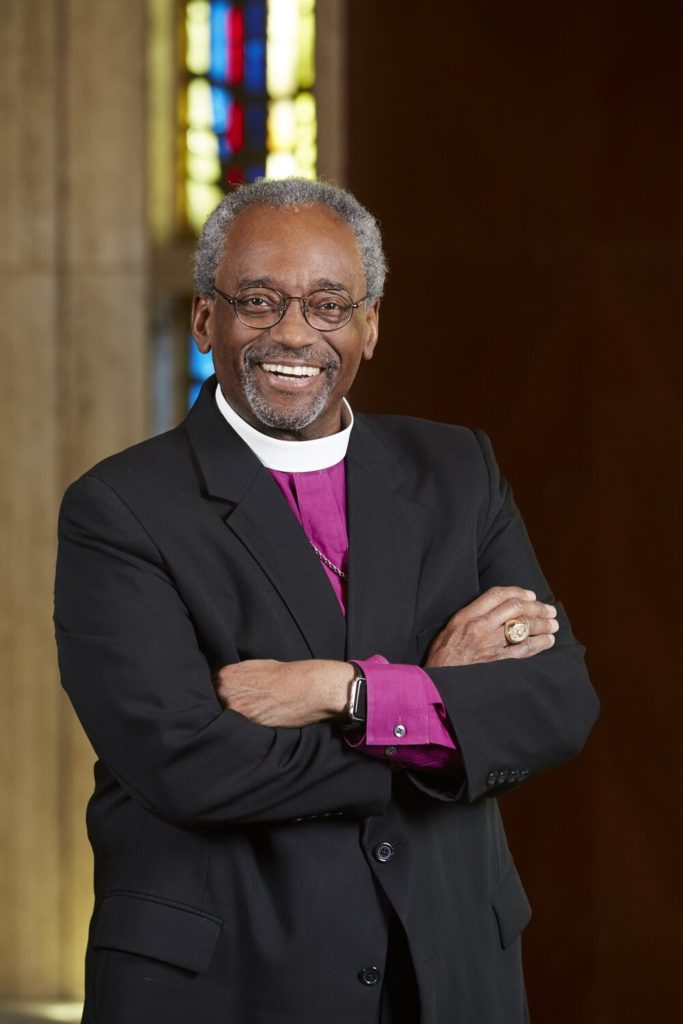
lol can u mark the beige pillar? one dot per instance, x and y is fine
(29, 440)
(74, 293)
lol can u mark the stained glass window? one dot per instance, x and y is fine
(247, 108)
(230, 99)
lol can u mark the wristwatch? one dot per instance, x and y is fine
(357, 706)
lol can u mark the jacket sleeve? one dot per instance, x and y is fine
(132, 665)
(514, 718)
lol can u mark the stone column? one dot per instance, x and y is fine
(74, 288)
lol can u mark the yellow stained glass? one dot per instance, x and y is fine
(282, 72)
(306, 44)
(199, 104)
(203, 168)
(281, 126)
(306, 134)
(198, 30)
(281, 165)
(200, 200)
(305, 109)
(202, 141)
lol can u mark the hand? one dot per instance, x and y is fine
(285, 693)
(475, 633)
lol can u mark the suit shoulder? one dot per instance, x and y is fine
(410, 434)
(149, 462)
(436, 458)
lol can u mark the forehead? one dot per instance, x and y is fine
(294, 244)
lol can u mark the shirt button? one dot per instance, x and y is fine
(383, 852)
(389, 751)
(369, 976)
(399, 731)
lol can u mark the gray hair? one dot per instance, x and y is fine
(289, 192)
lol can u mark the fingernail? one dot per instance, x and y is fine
(530, 594)
(551, 609)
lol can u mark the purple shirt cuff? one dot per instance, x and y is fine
(407, 722)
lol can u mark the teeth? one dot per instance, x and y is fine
(292, 371)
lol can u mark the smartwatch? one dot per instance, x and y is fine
(358, 697)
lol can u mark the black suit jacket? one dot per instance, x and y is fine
(236, 872)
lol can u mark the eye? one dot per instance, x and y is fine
(329, 303)
(258, 300)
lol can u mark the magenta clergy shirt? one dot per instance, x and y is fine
(406, 719)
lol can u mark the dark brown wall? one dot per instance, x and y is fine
(526, 162)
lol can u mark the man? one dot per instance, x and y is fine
(293, 821)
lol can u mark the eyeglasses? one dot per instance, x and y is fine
(325, 309)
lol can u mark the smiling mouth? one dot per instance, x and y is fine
(281, 370)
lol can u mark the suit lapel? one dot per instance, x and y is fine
(260, 517)
(265, 524)
(387, 536)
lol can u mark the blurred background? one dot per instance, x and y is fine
(525, 160)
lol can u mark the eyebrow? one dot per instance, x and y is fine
(269, 282)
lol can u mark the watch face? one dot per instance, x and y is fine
(359, 711)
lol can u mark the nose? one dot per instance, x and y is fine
(293, 329)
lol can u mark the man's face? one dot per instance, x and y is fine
(295, 251)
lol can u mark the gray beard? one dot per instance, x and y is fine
(275, 419)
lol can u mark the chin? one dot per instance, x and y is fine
(293, 418)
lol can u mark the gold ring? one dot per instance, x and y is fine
(516, 630)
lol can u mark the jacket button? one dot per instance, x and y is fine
(502, 776)
(383, 852)
(389, 751)
(492, 778)
(369, 976)
(399, 731)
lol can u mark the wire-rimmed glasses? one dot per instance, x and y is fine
(324, 309)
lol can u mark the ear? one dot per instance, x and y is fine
(202, 309)
(372, 328)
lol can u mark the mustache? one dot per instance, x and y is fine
(280, 353)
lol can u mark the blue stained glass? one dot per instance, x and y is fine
(255, 18)
(254, 171)
(199, 364)
(221, 108)
(219, 42)
(255, 67)
(256, 126)
(224, 149)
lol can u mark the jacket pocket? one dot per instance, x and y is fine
(149, 926)
(511, 907)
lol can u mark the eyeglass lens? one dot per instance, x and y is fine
(323, 309)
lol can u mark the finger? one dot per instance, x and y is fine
(537, 627)
(516, 609)
(529, 647)
(496, 596)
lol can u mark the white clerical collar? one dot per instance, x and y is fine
(290, 456)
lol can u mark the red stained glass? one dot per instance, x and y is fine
(234, 176)
(235, 28)
(235, 131)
